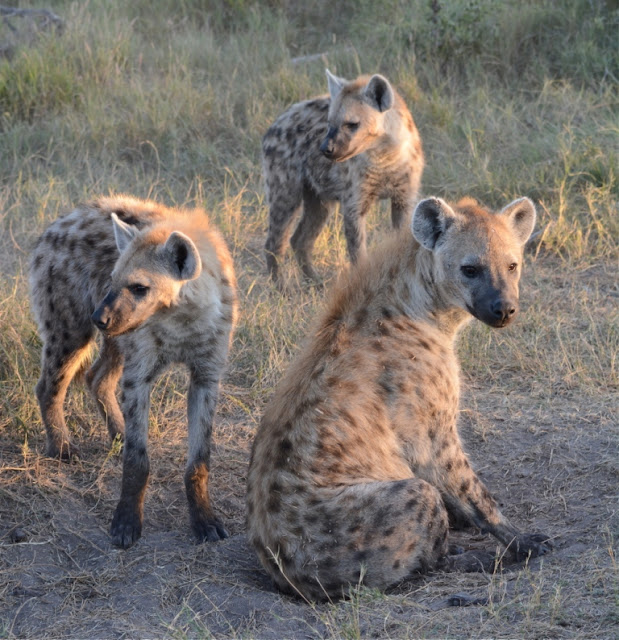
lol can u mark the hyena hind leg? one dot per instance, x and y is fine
(378, 533)
(102, 379)
(57, 371)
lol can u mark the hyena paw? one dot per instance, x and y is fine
(526, 545)
(477, 561)
(126, 526)
(209, 530)
(63, 449)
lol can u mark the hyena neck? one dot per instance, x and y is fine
(395, 145)
(423, 297)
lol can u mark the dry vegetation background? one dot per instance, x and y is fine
(169, 100)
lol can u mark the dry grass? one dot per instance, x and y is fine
(169, 100)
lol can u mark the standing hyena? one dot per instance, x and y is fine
(355, 146)
(160, 286)
(357, 462)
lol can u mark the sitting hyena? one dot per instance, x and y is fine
(357, 462)
(355, 146)
(160, 286)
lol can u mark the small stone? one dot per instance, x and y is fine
(18, 535)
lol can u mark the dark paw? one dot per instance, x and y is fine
(469, 562)
(527, 545)
(126, 527)
(209, 530)
(63, 449)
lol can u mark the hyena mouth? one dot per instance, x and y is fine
(489, 319)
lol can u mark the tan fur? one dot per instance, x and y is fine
(357, 461)
(168, 297)
(355, 146)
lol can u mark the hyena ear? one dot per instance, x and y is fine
(379, 93)
(335, 84)
(123, 232)
(521, 217)
(182, 257)
(431, 218)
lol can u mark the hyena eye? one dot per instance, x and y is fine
(470, 271)
(512, 267)
(138, 290)
(351, 126)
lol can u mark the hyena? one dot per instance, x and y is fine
(357, 465)
(159, 285)
(356, 145)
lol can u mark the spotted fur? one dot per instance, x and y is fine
(159, 284)
(357, 463)
(354, 146)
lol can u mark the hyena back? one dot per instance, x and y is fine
(160, 286)
(356, 145)
(357, 463)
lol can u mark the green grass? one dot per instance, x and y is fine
(169, 100)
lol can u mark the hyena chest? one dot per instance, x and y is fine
(419, 382)
(388, 178)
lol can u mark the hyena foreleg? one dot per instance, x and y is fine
(127, 521)
(401, 212)
(281, 215)
(353, 214)
(466, 496)
(102, 379)
(201, 402)
(315, 215)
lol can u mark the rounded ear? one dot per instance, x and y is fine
(182, 257)
(521, 217)
(431, 218)
(379, 93)
(123, 232)
(335, 84)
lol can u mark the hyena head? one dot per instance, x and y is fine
(477, 254)
(152, 267)
(356, 119)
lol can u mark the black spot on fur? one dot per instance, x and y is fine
(398, 486)
(274, 504)
(360, 556)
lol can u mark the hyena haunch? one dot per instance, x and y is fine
(160, 286)
(354, 146)
(357, 462)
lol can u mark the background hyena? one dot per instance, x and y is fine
(354, 146)
(160, 286)
(357, 462)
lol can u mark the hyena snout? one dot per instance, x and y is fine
(497, 310)
(327, 148)
(103, 316)
(503, 311)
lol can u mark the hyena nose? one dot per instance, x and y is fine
(100, 319)
(503, 311)
(327, 147)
